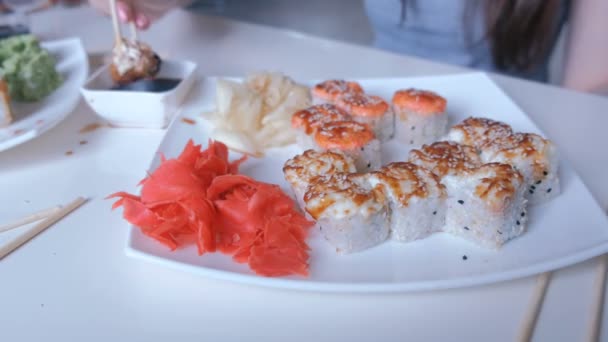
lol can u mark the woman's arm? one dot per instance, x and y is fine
(586, 59)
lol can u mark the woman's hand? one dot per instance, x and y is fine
(141, 12)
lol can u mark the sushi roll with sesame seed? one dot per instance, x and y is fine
(308, 120)
(353, 139)
(370, 110)
(416, 200)
(486, 205)
(532, 155)
(445, 158)
(477, 132)
(351, 215)
(301, 170)
(420, 116)
(329, 91)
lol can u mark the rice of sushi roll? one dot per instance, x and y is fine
(445, 158)
(420, 116)
(477, 132)
(308, 120)
(532, 155)
(486, 205)
(301, 170)
(416, 200)
(351, 215)
(370, 110)
(352, 138)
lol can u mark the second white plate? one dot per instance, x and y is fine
(33, 119)
(567, 230)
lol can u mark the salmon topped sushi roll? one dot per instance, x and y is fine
(329, 91)
(416, 200)
(370, 110)
(420, 116)
(486, 205)
(301, 170)
(352, 138)
(532, 155)
(478, 131)
(444, 158)
(351, 215)
(308, 120)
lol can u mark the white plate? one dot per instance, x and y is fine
(33, 119)
(567, 230)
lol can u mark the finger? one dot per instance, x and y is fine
(142, 21)
(125, 12)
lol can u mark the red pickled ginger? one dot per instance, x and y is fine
(198, 198)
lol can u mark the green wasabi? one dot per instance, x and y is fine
(28, 69)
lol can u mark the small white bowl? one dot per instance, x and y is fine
(142, 109)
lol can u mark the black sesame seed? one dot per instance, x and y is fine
(499, 232)
(517, 222)
(461, 201)
(532, 187)
(362, 148)
(545, 173)
(413, 128)
(411, 142)
(549, 190)
(434, 213)
(523, 214)
(466, 228)
(464, 257)
(369, 165)
(531, 191)
(538, 182)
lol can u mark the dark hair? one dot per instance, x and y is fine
(518, 31)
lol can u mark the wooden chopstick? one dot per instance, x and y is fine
(37, 216)
(115, 23)
(597, 303)
(134, 34)
(529, 322)
(41, 226)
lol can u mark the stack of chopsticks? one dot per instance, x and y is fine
(45, 219)
(597, 304)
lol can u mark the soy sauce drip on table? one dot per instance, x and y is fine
(155, 85)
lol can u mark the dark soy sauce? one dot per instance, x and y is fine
(155, 85)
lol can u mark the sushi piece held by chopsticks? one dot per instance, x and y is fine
(132, 60)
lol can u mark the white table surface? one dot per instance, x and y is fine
(74, 281)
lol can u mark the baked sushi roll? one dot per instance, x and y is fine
(353, 139)
(420, 116)
(132, 61)
(308, 120)
(477, 132)
(415, 197)
(532, 155)
(351, 215)
(301, 170)
(370, 110)
(329, 91)
(486, 205)
(445, 158)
